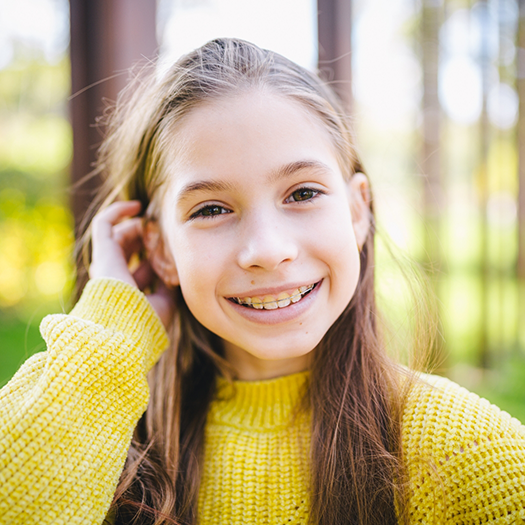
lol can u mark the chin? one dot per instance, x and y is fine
(270, 352)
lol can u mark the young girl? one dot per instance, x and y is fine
(275, 401)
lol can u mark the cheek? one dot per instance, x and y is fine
(335, 234)
(199, 261)
(338, 247)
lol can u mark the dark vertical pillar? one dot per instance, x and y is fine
(431, 154)
(433, 193)
(334, 22)
(520, 264)
(483, 183)
(107, 37)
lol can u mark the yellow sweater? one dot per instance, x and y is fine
(67, 416)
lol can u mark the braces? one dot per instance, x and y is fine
(300, 294)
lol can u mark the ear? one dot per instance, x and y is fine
(159, 255)
(359, 198)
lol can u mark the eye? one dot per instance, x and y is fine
(303, 194)
(209, 211)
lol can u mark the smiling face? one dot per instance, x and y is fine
(257, 220)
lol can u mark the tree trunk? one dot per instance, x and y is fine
(484, 144)
(520, 265)
(107, 37)
(334, 22)
(433, 194)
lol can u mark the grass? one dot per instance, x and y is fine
(506, 387)
(18, 341)
(503, 386)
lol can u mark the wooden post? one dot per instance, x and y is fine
(520, 264)
(107, 37)
(431, 148)
(433, 193)
(334, 22)
(482, 183)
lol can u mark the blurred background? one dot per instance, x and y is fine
(435, 88)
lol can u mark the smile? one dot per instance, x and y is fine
(270, 302)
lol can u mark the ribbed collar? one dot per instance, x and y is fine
(257, 405)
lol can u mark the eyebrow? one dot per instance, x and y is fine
(282, 172)
(203, 186)
(289, 169)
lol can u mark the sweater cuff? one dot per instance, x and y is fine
(120, 307)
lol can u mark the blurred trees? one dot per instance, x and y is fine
(520, 81)
(36, 226)
(437, 87)
(479, 44)
(433, 194)
(35, 151)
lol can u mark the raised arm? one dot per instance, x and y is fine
(67, 416)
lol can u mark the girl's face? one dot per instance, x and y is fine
(258, 230)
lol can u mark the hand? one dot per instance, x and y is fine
(116, 237)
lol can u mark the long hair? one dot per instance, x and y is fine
(355, 391)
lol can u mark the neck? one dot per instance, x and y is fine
(251, 368)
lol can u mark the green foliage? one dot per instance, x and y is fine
(503, 386)
(18, 341)
(35, 247)
(36, 227)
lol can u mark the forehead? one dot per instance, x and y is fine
(251, 133)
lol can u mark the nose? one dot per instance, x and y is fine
(266, 242)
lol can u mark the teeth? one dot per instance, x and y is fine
(296, 296)
(257, 303)
(269, 302)
(283, 299)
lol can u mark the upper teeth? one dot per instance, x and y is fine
(270, 302)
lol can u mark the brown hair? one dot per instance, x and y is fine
(355, 391)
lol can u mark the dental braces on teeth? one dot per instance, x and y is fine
(272, 303)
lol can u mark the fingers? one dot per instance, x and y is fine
(116, 236)
(103, 222)
(115, 239)
(128, 235)
(117, 211)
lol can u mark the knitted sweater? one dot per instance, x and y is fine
(67, 416)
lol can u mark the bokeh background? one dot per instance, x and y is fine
(436, 102)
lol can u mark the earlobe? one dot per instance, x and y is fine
(359, 198)
(159, 256)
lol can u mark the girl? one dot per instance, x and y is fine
(275, 401)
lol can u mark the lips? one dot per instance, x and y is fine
(273, 302)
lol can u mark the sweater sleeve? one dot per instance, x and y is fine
(68, 415)
(465, 457)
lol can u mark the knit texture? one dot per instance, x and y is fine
(67, 417)
(256, 454)
(465, 457)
